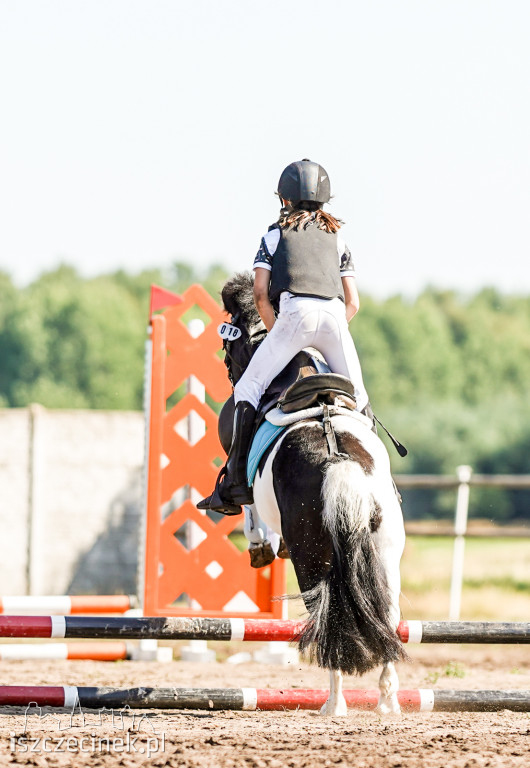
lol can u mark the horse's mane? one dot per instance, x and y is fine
(238, 296)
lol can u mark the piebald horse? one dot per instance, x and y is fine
(341, 521)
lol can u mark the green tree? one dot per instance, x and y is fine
(448, 374)
(70, 342)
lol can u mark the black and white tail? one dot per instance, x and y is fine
(349, 626)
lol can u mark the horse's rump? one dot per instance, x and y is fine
(329, 515)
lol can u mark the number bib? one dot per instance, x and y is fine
(228, 332)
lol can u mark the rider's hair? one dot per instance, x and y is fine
(305, 212)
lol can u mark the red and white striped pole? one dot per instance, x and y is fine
(64, 605)
(189, 628)
(420, 700)
(96, 651)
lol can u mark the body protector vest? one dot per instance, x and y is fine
(306, 263)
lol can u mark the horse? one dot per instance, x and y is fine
(340, 518)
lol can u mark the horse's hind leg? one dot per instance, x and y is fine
(261, 547)
(388, 689)
(390, 541)
(310, 549)
(336, 703)
(389, 681)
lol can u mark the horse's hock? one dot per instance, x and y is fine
(191, 566)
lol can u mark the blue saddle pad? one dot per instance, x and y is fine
(265, 435)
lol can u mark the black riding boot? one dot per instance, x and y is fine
(231, 489)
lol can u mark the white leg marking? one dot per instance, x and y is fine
(336, 705)
(254, 528)
(388, 688)
(274, 539)
(390, 541)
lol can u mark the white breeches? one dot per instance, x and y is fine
(303, 322)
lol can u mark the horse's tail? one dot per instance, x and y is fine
(349, 626)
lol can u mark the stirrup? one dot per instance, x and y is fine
(216, 503)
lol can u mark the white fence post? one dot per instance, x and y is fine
(463, 473)
(34, 578)
(142, 528)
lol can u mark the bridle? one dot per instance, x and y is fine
(230, 360)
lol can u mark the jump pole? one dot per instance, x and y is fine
(175, 628)
(420, 700)
(64, 605)
(95, 651)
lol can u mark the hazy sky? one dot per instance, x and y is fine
(137, 132)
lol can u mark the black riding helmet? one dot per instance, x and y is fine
(304, 180)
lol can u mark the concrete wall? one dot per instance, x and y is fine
(14, 497)
(70, 501)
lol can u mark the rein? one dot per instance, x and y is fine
(230, 360)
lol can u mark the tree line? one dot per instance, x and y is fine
(447, 373)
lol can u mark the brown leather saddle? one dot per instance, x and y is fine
(317, 387)
(297, 387)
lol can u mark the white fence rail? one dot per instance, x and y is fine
(462, 482)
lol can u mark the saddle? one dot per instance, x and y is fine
(305, 380)
(325, 387)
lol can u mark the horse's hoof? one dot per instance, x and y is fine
(261, 554)
(337, 708)
(388, 706)
(283, 552)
